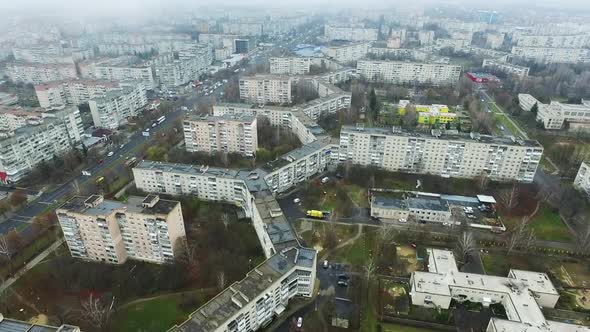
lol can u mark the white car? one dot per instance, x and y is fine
(110, 154)
(402, 220)
(326, 264)
(299, 322)
(296, 200)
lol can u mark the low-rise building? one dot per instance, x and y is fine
(555, 114)
(429, 114)
(227, 133)
(265, 89)
(34, 141)
(13, 325)
(399, 72)
(505, 67)
(582, 180)
(467, 156)
(522, 294)
(115, 106)
(144, 228)
(526, 102)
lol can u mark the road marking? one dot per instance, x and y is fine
(342, 299)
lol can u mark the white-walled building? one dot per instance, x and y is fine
(505, 67)
(582, 180)
(552, 54)
(522, 294)
(347, 53)
(408, 72)
(114, 107)
(193, 61)
(555, 41)
(466, 156)
(109, 231)
(555, 114)
(242, 28)
(290, 65)
(526, 101)
(24, 147)
(228, 133)
(349, 33)
(124, 68)
(37, 73)
(264, 89)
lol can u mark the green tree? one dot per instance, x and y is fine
(535, 109)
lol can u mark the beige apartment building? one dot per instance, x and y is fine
(72, 92)
(265, 89)
(111, 231)
(228, 133)
(466, 156)
(408, 72)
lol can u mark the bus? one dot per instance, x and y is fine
(161, 119)
(315, 214)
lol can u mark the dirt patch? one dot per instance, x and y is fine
(39, 320)
(582, 298)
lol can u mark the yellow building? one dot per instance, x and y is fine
(429, 114)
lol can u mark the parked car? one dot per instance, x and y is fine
(326, 264)
(110, 154)
(299, 322)
(297, 200)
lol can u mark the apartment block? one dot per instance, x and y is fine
(143, 228)
(192, 62)
(348, 52)
(466, 156)
(521, 293)
(526, 101)
(37, 73)
(227, 133)
(265, 292)
(265, 89)
(557, 41)
(242, 28)
(505, 67)
(35, 140)
(408, 72)
(72, 92)
(124, 68)
(399, 53)
(218, 40)
(45, 53)
(552, 54)
(453, 43)
(424, 208)
(349, 33)
(555, 114)
(14, 117)
(115, 106)
(290, 65)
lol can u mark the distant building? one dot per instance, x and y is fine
(124, 68)
(72, 92)
(114, 107)
(349, 33)
(347, 53)
(228, 133)
(37, 73)
(506, 67)
(290, 65)
(108, 231)
(242, 46)
(408, 72)
(552, 54)
(264, 89)
(582, 180)
(554, 41)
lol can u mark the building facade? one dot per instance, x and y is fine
(552, 54)
(506, 67)
(265, 89)
(145, 229)
(72, 92)
(228, 133)
(347, 53)
(466, 156)
(349, 33)
(408, 72)
(114, 107)
(290, 65)
(37, 73)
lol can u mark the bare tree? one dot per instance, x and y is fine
(583, 240)
(225, 219)
(519, 236)
(221, 280)
(4, 248)
(96, 312)
(369, 268)
(510, 198)
(466, 245)
(482, 182)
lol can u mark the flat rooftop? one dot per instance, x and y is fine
(13, 325)
(276, 225)
(487, 139)
(226, 117)
(134, 204)
(385, 202)
(427, 203)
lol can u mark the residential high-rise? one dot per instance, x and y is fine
(124, 68)
(115, 106)
(467, 156)
(72, 92)
(349, 33)
(37, 73)
(32, 141)
(347, 52)
(552, 54)
(147, 229)
(506, 67)
(192, 62)
(408, 72)
(264, 89)
(290, 65)
(228, 133)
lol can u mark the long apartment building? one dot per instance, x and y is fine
(23, 148)
(408, 72)
(558, 41)
(555, 114)
(349, 33)
(265, 89)
(552, 54)
(37, 73)
(521, 293)
(582, 180)
(253, 302)
(290, 65)
(505, 67)
(227, 133)
(467, 156)
(348, 52)
(125, 68)
(115, 106)
(72, 92)
(143, 228)
(192, 62)
(12, 118)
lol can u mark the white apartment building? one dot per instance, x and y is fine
(399, 72)
(558, 41)
(242, 28)
(582, 180)
(12, 118)
(46, 53)
(494, 39)
(114, 107)
(455, 44)
(193, 61)
(466, 156)
(253, 302)
(526, 101)
(228, 133)
(505, 67)
(22, 148)
(125, 68)
(72, 92)
(264, 89)
(37, 73)
(401, 53)
(555, 114)
(218, 40)
(552, 55)
(143, 228)
(290, 65)
(426, 37)
(349, 33)
(220, 54)
(347, 53)
(522, 294)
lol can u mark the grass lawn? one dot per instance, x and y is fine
(29, 252)
(314, 232)
(359, 251)
(402, 328)
(500, 264)
(155, 315)
(369, 310)
(357, 194)
(548, 226)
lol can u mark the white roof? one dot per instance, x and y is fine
(486, 199)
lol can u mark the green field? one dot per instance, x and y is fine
(403, 328)
(548, 226)
(155, 315)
